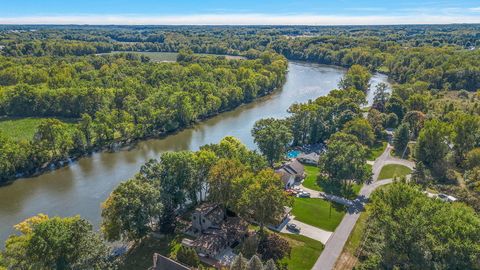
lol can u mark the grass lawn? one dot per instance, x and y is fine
(23, 128)
(355, 237)
(305, 252)
(376, 150)
(316, 212)
(311, 178)
(392, 170)
(311, 182)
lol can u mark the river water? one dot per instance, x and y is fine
(80, 188)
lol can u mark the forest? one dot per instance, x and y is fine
(117, 99)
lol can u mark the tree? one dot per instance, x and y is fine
(86, 126)
(130, 210)
(52, 136)
(361, 128)
(408, 230)
(345, 159)
(272, 137)
(239, 263)
(380, 97)
(432, 145)
(274, 247)
(357, 77)
(188, 256)
(264, 200)
(255, 263)
(250, 246)
(395, 105)
(472, 159)
(465, 135)
(270, 265)
(401, 139)
(415, 121)
(56, 243)
(223, 181)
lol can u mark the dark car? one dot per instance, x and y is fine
(293, 228)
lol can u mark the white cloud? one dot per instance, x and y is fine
(243, 19)
(475, 9)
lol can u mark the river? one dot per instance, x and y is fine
(80, 188)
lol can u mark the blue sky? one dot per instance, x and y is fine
(239, 12)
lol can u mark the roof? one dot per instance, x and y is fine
(216, 238)
(311, 156)
(211, 211)
(161, 262)
(284, 175)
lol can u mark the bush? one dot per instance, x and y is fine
(272, 246)
(188, 256)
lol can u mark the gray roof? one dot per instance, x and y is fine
(161, 262)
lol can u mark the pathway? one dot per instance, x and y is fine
(335, 244)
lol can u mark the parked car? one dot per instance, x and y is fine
(293, 227)
(446, 198)
(304, 195)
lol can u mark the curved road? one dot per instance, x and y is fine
(334, 246)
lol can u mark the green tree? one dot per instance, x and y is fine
(380, 97)
(272, 137)
(360, 128)
(465, 135)
(345, 159)
(264, 200)
(255, 263)
(408, 230)
(432, 145)
(222, 182)
(188, 256)
(401, 139)
(130, 210)
(357, 77)
(56, 243)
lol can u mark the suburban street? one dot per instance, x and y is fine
(335, 244)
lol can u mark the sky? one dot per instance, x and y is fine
(244, 12)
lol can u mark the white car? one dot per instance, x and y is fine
(446, 198)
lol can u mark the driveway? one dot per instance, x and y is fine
(309, 231)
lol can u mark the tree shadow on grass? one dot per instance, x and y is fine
(336, 188)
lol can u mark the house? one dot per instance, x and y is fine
(282, 219)
(163, 263)
(214, 231)
(311, 158)
(291, 172)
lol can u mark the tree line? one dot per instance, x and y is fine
(119, 98)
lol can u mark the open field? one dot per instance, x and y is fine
(23, 128)
(319, 213)
(305, 252)
(391, 170)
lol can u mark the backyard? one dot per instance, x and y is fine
(319, 213)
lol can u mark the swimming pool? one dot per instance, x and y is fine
(293, 153)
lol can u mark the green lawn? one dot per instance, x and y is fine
(319, 213)
(305, 252)
(311, 178)
(312, 182)
(355, 237)
(392, 170)
(23, 128)
(376, 150)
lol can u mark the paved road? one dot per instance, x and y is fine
(335, 244)
(325, 196)
(310, 231)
